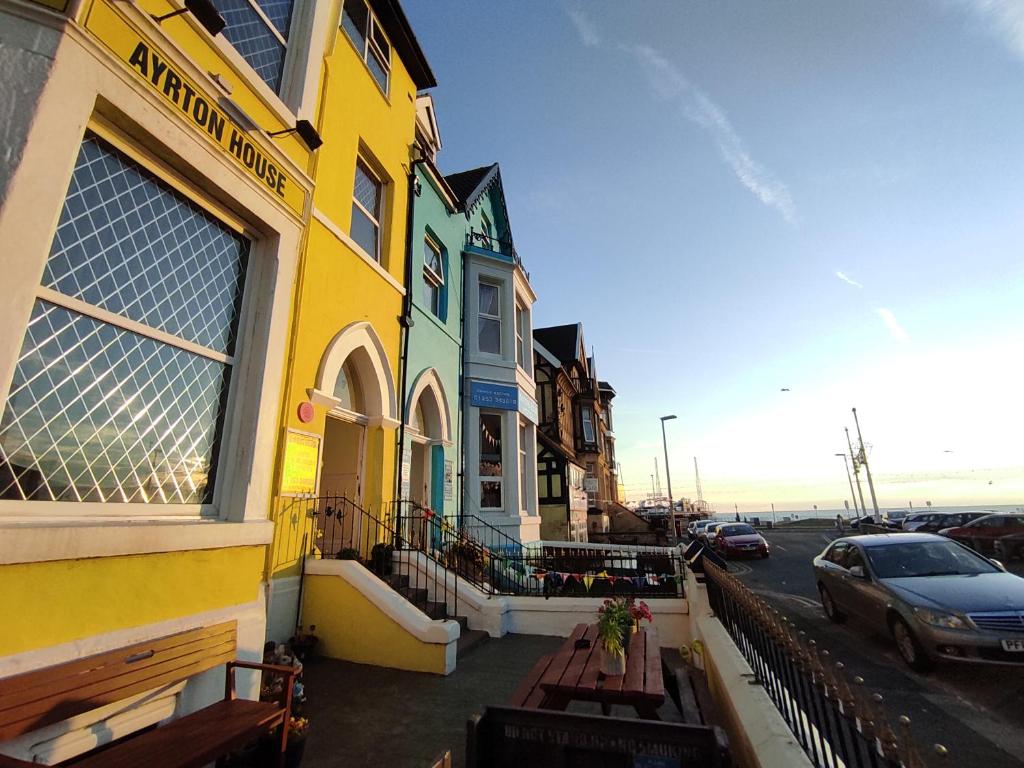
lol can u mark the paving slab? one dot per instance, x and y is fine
(371, 716)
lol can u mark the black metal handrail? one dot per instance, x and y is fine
(396, 552)
(837, 723)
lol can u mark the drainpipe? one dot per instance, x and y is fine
(406, 322)
(462, 389)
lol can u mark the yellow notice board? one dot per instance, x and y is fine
(199, 109)
(301, 463)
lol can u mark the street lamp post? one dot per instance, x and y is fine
(850, 480)
(668, 474)
(867, 469)
(856, 472)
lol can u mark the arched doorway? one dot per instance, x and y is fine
(355, 383)
(429, 428)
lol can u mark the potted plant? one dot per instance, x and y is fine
(382, 559)
(613, 622)
(348, 553)
(639, 612)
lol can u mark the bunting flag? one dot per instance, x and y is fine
(559, 578)
(588, 580)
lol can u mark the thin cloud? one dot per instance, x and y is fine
(847, 279)
(1004, 18)
(669, 84)
(895, 329)
(585, 27)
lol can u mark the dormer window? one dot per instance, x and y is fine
(365, 32)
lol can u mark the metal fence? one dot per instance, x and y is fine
(838, 722)
(497, 564)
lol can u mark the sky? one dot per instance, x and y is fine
(737, 198)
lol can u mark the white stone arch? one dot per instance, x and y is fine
(359, 343)
(428, 391)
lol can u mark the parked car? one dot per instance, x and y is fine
(856, 523)
(709, 532)
(894, 518)
(740, 539)
(933, 522)
(694, 528)
(937, 598)
(1010, 547)
(981, 534)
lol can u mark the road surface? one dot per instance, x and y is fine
(976, 711)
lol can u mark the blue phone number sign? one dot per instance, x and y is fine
(500, 396)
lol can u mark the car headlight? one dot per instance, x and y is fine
(940, 619)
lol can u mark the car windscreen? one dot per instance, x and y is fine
(737, 530)
(926, 558)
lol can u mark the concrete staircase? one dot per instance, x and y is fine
(418, 597)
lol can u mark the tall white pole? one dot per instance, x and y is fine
(856, 474)
(867, 469)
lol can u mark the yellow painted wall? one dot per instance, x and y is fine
(336, 286)
(352, 628)
(196, 45)
(49, 603)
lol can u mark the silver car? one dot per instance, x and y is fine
(937, 598)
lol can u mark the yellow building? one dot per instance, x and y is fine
(151, 226)
(341, 408)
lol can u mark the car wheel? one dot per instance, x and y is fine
(909, 648)
(829, 605)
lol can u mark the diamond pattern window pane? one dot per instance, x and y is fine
(279, 12)
(252, 38)
(367, 191)
(128, 243)
(97, 413)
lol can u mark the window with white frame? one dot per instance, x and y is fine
(491, 468)
(364, 30)
(258, 30)
(522, 334)
(587, 415)
(367, 202)
(524, 473)
(433, 276)
(120, 387)
(489, 318)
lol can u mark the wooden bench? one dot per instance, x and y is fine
(36, 699)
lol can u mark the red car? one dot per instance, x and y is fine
(981, 534)
(739, 540)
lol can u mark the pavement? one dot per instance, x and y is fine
(975, 711)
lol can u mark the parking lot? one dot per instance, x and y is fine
(973, 710)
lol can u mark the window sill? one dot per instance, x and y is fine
(56, 538)
(371, 262)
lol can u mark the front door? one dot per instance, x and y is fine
(341, 485)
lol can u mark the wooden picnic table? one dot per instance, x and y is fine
(574, 674)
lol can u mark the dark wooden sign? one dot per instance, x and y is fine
(507, 737)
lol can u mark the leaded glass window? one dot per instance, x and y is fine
(366, 205)
(258, 30)
(120, 386)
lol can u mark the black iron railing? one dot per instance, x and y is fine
(497, 564)
(837, 722)
(496, 245)
(399, 553)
